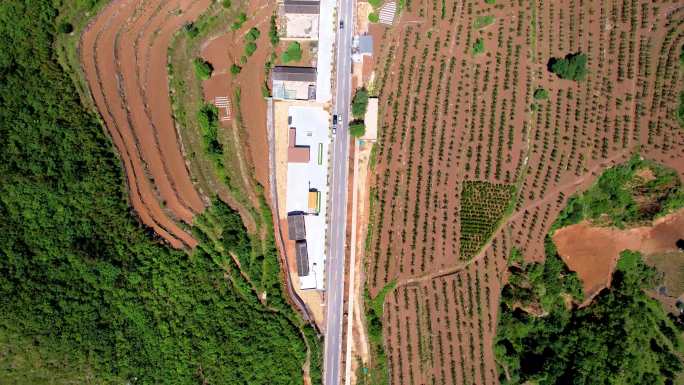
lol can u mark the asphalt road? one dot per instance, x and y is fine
(338, 198)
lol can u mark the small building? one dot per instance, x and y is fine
(293, 83)
(302, 258)
(366, 45)
(296, 229)
(297, 154)
(299, 19)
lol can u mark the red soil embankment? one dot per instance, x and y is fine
(592, 251)
(123, 53)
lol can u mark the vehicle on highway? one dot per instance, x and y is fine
(334, 124)
(341, 24)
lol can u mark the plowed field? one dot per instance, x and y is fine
(124, 56)
(451, 117)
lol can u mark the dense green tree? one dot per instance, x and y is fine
(88, 295)
(571, 67)
(360, 103)
(203, 69)
(623, 337)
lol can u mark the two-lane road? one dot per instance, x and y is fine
(338, 197)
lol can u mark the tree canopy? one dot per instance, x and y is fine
(622, 337)
(360, 103)
(293, 53)
(571, 67)
(88, 294)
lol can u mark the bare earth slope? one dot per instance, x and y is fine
(123, 52)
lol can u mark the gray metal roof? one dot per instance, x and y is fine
(302, 258)
(294, 74)
(295, 226)
(366, 44)
(306, 7)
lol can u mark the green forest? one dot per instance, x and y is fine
(631, 193)
(622, 337)
(88, 295)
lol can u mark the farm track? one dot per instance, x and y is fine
(124, 56)
(449, 116)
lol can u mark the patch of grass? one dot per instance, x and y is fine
(483, 206)
(378, 371)
(483, 21)
(293, 53)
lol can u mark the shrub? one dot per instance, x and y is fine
(253, 34)
(357, 128)
(250, 48)
(490, 2)
(483, 21)
(373, 17)
(235, 69)
(273, 31)
(375, 3)
(571, 67)
(191, 29)
(541, 94)
(237, 24)
(65, 27)
(360, 103)
(203, 69)
(293, 53)
(478, 47)
(227, 3)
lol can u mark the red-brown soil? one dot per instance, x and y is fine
(448, 116)
(222, 51)
(592, 251)
(124, 56)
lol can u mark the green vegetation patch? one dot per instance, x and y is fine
(483, 21)
(360, 103)
(373, 17)
(541, 94)
(239, 21)
(632, 193)
(622, 337)
(203, 69)
(483, 205)
(478, 46)
(89, 294)
(293, 53)
(571, 67)
(378, 372)
(357, 129)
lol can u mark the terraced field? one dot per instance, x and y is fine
(124, 56)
